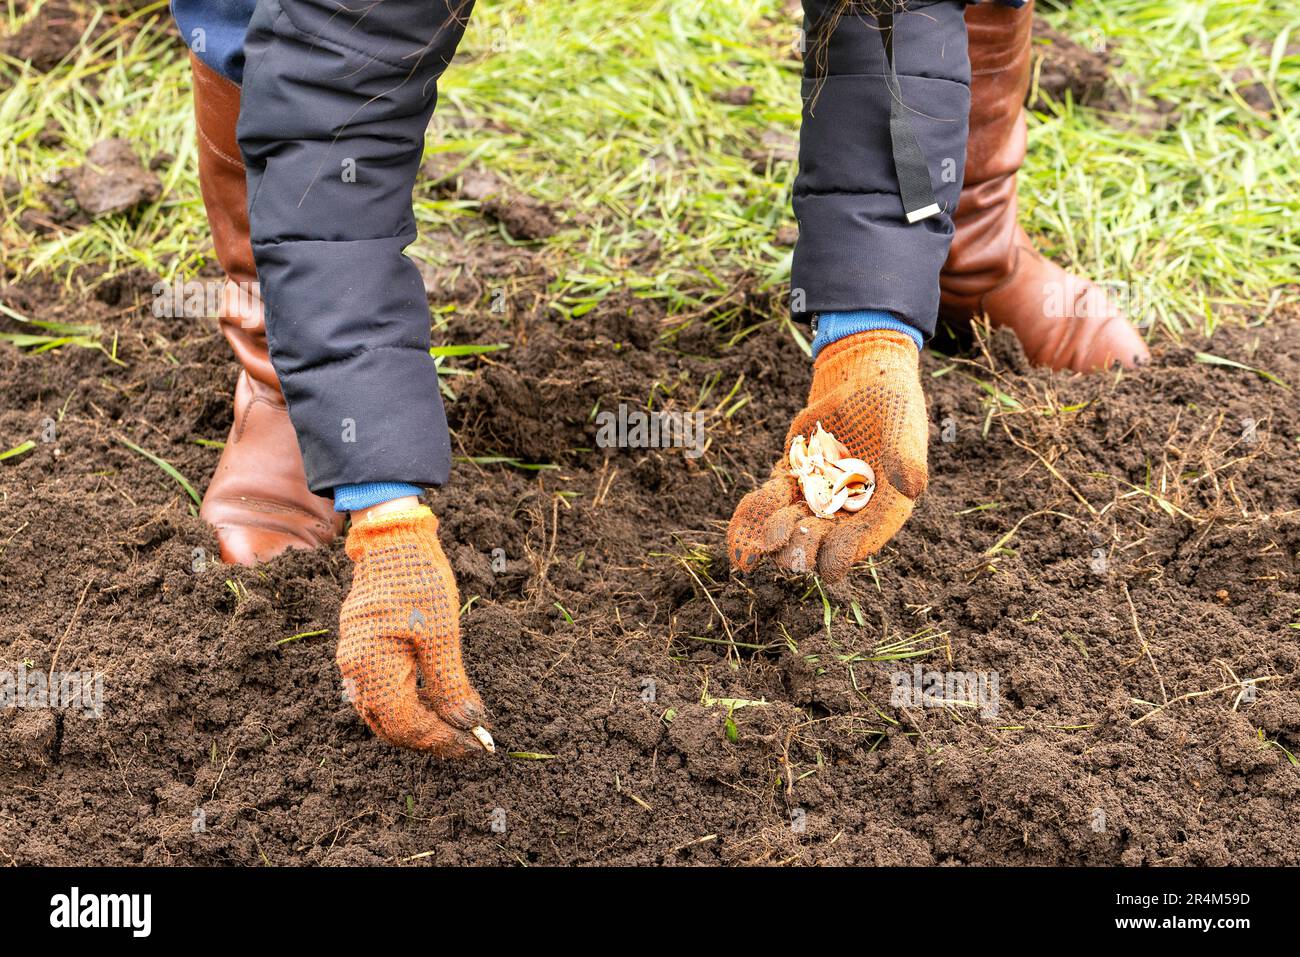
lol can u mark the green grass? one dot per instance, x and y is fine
(143, 94)
(606, 109)
(21, 449)
(167, 468)
(1202, 214)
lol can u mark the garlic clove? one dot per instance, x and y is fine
(836, 503)
(855, 470)
(817, 493)
(832, 473)
(828, 476)
(858, 498)
(799, 462)
(826, 445)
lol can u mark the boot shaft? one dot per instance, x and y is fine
(984, 249)
(224, 186)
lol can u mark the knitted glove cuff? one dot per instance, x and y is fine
(418, 525)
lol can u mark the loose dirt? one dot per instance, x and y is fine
(656, 709)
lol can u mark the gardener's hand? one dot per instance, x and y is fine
(866, 390)
(403, 612)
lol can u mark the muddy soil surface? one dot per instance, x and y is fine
(1117, 553)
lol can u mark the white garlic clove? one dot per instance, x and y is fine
(817, 492)
(799, 462)
(836, 503)
(854, 471)
(858, 498)
(829, 477)
(826, 445)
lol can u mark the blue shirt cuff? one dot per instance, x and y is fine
(832, 326)
(350, 498)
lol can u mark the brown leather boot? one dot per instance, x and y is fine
(258, 499)
(1062, 321)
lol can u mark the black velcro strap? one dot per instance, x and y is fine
(913, 174)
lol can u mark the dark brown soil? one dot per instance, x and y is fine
(1064, 66)
(112, 179)
(209, 716)
(47, 38)
(1091, 77)
(522, 216)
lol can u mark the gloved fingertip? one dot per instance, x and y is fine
(838, 552)
(465, 746)
(782, 526)
(448, 742)
(909, 478)
(832, 574)
(795, 558)
(457, 750)
(465, 715)
(744, 549)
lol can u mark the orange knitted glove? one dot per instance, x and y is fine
(403, 612)
(866, 390)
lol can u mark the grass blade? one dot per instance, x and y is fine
(1214, 360)
(467, 349)
(18, 450)
(166, 467)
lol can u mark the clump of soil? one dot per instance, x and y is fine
(1064, 66)
(735, 96)
(112, 180)
(522, 216)
(1254, 91)
(46, 39)
(774, 147)
(650, 707)
(1065, 69)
